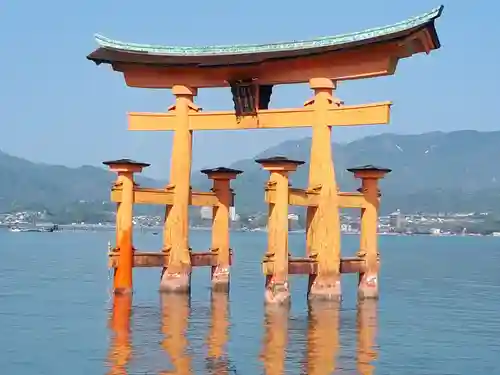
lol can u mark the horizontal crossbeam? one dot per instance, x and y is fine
(308, 266)
(309, 198)
(374, 61)
(368, 114)
(160, 259)
(166, 197)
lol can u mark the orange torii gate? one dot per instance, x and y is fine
(251, 71)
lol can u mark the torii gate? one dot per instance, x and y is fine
(251, 71)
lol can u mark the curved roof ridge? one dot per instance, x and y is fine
(236, 49)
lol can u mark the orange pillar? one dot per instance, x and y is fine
(120, 349)
(218, 335)
(367, 330)
(275, 340)
(175, 309)
(220, 224)
(369, 175)
(123, 273)
(323, 221)
(322, 338)
(176, 277)
(277, 285)
(118, 185)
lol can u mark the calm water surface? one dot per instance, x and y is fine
(439, 313)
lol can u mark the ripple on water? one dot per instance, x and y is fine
(438, 313)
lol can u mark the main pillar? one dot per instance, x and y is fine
(277, 285)
(220, 224)
(124, 246)
(369, 175)
(323, 221)
(176, 277)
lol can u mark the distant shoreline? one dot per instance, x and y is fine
(158, 230)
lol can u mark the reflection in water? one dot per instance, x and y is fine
(275, 339)
(217, 361)
(119, 322)
(367, 328)
(174, 322)
(322, 338)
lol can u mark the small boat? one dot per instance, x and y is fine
(34, 229)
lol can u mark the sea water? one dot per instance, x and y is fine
(439, 312)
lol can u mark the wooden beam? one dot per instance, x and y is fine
(307, 266)
(373, 61)
(165, 197)
(160, 259)
(367, 114)
(309, 198)
(301, 197)
(351, 200)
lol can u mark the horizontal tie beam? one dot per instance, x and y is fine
(368, 114)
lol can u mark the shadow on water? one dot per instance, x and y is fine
(322, 339)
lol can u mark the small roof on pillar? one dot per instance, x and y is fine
(369, 168)
(125, 162)
(221, 170)
(279, 160)
(112, 51)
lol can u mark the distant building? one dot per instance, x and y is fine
(435, 231)
(232, 213)
(396, 219)
(346, 228)
(206, 212)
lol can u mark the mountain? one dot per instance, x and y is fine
(457, 171)
(25, 185)
(432, 172)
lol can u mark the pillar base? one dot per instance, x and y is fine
(325, 288)
(277, 293)
(368, 286)
(123, 291)
(175, 282)
(220, 279)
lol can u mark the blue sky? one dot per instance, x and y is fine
(52, 97)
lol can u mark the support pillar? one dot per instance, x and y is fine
(277, 290)
(220, 224)
(323, 221)
(176, 277)
(368, 281)
(118, 220)
(123, 273)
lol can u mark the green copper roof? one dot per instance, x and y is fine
(237, 49)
